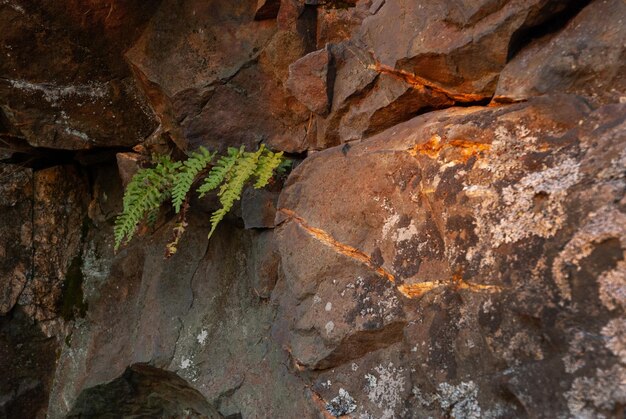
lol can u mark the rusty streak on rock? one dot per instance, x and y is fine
(434, 146)
(457, 282)
(420, 83)
(408, 290)
(339, 247)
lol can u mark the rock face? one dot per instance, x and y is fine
(450, 243)
(468, 249)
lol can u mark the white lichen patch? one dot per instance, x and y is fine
(329, 306)
(578, 346)
(389, 224)
(342, 404)
(330, 326)
(534, 205)
(460, 400)
(615, 334)
(76, 133)
(602, 392)
(606, 223)
(613, 287)
(386, 390)
(201, 338)
(185, 363)
(53, 93)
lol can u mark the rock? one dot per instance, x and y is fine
(458, 48)
(28, 361)
(267, 9)
(310, 81)
(128, 165)
(258, 208)
(16, 207)
(60, 198)
(337, 24)
(63, 81)
(179, 315)
(200, 78)
(147, 391)
(584, 58)
(471, 237)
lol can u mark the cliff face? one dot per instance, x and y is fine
(452, 243)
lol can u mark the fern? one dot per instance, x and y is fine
(232, 188)
(145, 193)
(221, 170)
(190, 169)
(266, 166)
(150, 187)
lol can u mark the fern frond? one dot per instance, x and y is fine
(189, 170)
(220, 171)
(144, 195)
(268, 163)
(231, 190)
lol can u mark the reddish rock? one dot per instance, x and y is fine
(446, 234)
(585, 58)
(310, 81)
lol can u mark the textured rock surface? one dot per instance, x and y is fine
(63, 81)
(587, 58)
(16, 209)
(463, 251)
(452, 244)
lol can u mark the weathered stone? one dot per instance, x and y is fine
(16, 208)
(200, 78)
(477, 238)
(586, 57)
(338, 24)
(180, 315)
(310, 81)
(459, 48)
(258, 208)
(63, 81)
(60, 199)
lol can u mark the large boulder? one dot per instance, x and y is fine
(451, 263)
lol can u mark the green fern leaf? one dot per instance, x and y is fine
(220, 171)
(266, 167)
(190, 169)
(231, 190)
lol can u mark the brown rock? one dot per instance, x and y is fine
(469, 236)
(16, 209)
(585, 58)
(63, 81)
(459, 48)
(207, 86)
(310, 81)
(258, 208)
(60, 202)
(128, 164)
